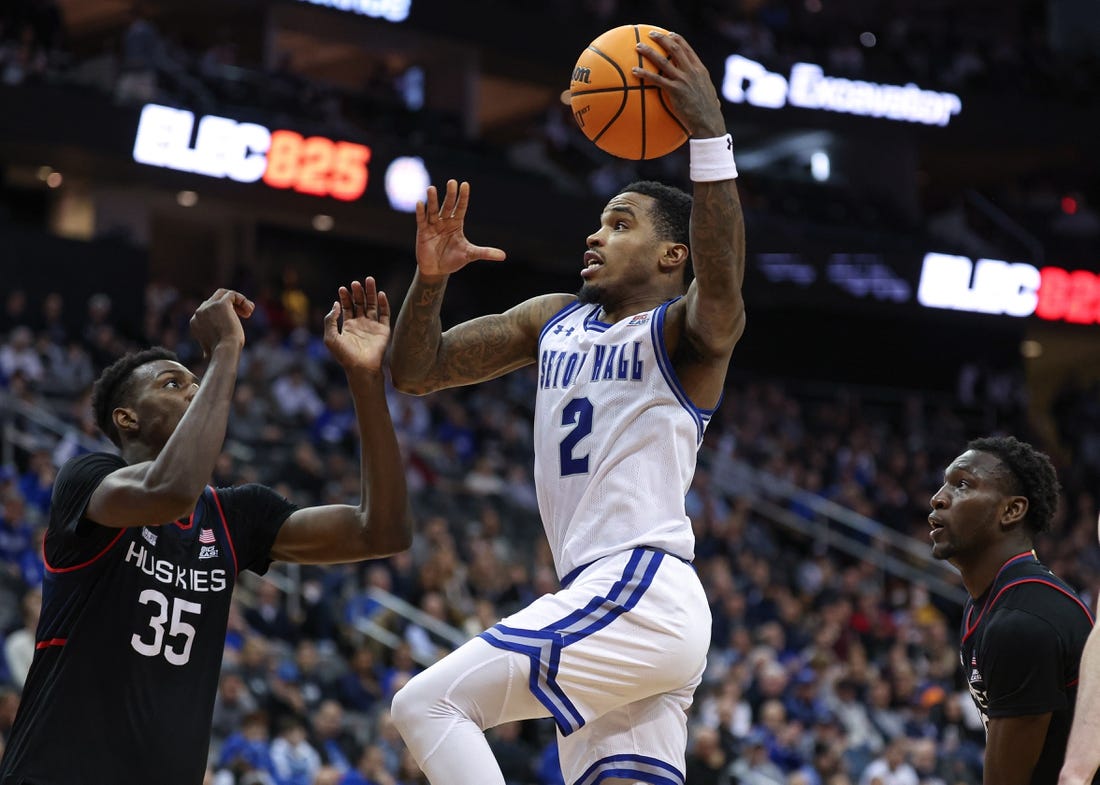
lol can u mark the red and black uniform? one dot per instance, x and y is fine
(1021, 648)
(131, 635)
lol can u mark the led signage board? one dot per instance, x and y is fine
(808, 87)
(248, 152)
(1009, 288)
(390, 10)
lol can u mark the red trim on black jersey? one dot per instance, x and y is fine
(225, 524)
(1037, 579)
(971, 627)
(189, 524)
(1052, 585)
(51, 642)
(110, 545)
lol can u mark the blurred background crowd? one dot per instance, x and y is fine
(834, 651)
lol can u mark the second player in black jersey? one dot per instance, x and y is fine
(1023, 628)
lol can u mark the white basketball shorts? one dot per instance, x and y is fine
(615, 658)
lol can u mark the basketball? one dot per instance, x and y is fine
(622, 114)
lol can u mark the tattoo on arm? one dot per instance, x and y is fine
(483, 348)
(416, 335)
(430, 294)
(718, 235)
(474, 351)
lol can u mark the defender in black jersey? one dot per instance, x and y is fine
(141, 555)
(1023, 628)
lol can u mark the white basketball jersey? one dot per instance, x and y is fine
(616, 438)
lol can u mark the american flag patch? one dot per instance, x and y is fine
(206, 536)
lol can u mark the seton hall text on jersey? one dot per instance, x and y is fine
(615, 363)
(173, 574)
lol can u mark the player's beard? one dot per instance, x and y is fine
(590, 294)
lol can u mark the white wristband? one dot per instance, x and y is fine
(711, 159)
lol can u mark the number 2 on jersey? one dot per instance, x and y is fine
(578, 413)
(176, 656)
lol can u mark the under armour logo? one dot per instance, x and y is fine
(729, 143)
(559, 329)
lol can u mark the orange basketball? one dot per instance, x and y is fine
(622, 114)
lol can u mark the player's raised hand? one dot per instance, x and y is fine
(360, 342)
(441, 244)
(686, 82)
(218, 319)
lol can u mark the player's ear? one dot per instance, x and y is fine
(1014, 510)
(125, 420)
(674, 257)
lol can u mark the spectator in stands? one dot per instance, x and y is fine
(246, 755)
(31, 568)
(19, 644)
(892, 767)
(19, 355)
(401, 668)
(754, 766)
(15, 527)
(296, 399)
(267, 614)
(329, 735)
(67, 369)
(36, 483)
(294, 761)
(315, 673)
(360, 688)
(707, 761)
(22, 58)
(52, 324)
(334, 426)
(304, 469)
(802, 699)
(515, 754)
(370, 769)
(861, 736)
(233, 704)
(14, 313)
(144, 57)
(923, 758)
(426, 645)
(251, 422)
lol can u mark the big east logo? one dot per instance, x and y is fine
(247, 152)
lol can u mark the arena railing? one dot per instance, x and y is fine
(835, 526)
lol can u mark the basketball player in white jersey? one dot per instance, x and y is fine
(630, 370)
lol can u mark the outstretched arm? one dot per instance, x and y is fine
(1082, 751)
(379, 526)
(714, 311)
(425, 358)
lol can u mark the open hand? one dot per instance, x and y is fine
(441, 244)
(361, 341)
